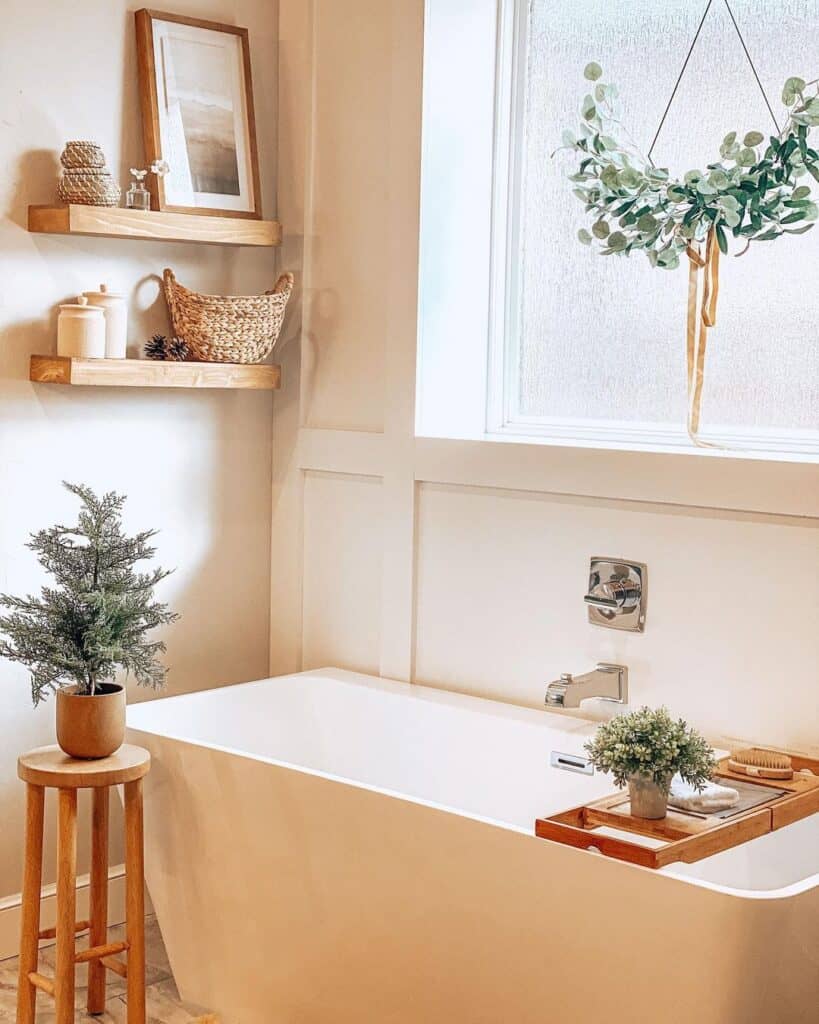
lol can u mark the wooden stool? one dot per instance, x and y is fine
(50, 767)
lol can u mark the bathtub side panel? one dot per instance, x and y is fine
(284, 896)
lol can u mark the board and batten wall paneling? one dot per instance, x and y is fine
(197, 466)
(730, 640)
(343, 337)
(343, 546)
(481, 586)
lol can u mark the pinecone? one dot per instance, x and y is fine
(177, 349)
(157, 347)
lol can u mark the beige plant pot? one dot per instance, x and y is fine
(648, 798)
(91, 727)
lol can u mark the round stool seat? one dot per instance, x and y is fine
(50, 766)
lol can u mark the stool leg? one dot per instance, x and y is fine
(66, 907)
(135, 902)
(98, 897)
(32, 883)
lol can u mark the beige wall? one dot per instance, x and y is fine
(382, 561)
(197, 466)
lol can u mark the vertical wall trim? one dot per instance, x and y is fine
(296, 127)
(403, 154)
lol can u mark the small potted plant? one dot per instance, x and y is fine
(77, 634)
(644, 750)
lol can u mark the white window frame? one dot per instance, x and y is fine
(452, 443)
(502, 418)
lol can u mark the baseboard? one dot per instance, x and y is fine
(10, 909)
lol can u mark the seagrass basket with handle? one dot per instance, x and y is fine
(227, 328)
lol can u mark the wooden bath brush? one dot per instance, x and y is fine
(764, 764)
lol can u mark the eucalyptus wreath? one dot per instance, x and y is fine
(753, 192)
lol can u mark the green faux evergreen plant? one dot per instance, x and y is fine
(95, 620)
(651, 744)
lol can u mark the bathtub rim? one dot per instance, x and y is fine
(786, 892)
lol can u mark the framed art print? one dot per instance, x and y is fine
(197, 114)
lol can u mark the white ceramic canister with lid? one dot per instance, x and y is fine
(81, 330)
(116, 320)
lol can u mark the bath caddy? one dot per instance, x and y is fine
(684, 836)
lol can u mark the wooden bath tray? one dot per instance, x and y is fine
(681, 836)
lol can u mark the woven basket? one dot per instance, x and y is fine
(227, 328)
(88, 187)
(81, 153)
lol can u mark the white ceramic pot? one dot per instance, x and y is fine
(81, 330)
(115, 309)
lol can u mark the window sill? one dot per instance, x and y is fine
(758, 446)
(678, 477)
(735, 485)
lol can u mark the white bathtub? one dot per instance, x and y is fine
(328, 848)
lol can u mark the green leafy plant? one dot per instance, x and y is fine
(650, 743)
(753, 193)
(96, 619)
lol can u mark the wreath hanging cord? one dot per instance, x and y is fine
(752, 194)
(696, 340)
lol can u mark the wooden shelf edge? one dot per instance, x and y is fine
(152, 225)
(146, 373)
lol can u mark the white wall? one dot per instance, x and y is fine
(195, 465)
(386, 553)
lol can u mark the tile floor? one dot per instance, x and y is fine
(163, 1003)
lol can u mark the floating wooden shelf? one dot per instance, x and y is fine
(115, 222)
(147, 373)
(685, 837)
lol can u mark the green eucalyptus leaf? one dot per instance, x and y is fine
(584, 236)
(801, 193)
(617, 241)
(592, 71)
(692, 177)
(628, 178)
(609, 177)
(792, 87)
(718, 179)
(601, 229)
(646, 223)
(753, 138)
(746, 157)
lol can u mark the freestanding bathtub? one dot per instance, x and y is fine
(327, 848)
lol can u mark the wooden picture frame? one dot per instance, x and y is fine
(204, 127)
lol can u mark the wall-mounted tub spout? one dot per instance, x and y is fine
(606, 682)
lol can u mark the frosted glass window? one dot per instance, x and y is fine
(602, 338)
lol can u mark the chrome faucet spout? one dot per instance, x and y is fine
(606, 682)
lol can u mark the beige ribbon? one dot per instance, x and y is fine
(705, 317)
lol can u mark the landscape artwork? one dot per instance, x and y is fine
(197, 112)
(197, 76)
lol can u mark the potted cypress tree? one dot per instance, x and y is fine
(77, 634)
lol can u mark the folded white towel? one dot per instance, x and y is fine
(711, 798)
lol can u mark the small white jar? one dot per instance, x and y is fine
(116, 320)
(81, 330)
